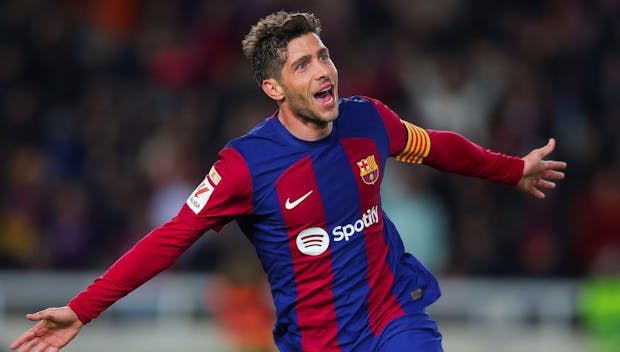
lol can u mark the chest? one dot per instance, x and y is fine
(333, 190)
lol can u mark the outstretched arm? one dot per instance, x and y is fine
(539, 174)
(531, 174)
(450, 151)
(56, 327)
(224, 194)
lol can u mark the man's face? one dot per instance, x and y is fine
(309, 80)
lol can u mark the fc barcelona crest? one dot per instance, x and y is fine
(369, 170)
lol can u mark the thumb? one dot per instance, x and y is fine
(40, 315)
(547, 149)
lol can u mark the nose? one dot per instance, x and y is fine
(323, 70)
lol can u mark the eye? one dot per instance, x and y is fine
(300, 66)
(324, 57)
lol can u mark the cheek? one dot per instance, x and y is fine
(297, 98)
(299, 92)
(296, 86)
(333, 68)
(301, 99)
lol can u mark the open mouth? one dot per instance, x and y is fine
(325, 97)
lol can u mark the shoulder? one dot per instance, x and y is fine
(355, 99)
(355, 102)
(263, 136)
(362, 110)
(361, 100)
(263, 147)
(364, 104)
(357, 108)
(260, 130)
(369, 116)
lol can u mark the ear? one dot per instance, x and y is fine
(273, 89)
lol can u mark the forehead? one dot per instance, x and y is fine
(307, 44)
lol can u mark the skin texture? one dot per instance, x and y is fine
(308, 69)
(56, 327)
(539, 174)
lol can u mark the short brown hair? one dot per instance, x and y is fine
(265, 44)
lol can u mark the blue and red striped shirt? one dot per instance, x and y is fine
(335, 262)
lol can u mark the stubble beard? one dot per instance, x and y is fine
(302, 108)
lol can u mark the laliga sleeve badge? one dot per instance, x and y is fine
(199, 198)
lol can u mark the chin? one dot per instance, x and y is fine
(332, 116)
(329, 114)
(326, 116)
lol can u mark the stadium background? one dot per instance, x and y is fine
(112, 110)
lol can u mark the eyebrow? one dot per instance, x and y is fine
(306, 58)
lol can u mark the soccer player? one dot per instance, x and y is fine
(304, 186)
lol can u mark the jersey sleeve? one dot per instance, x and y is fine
(224, 194)
(446, 151)
(408, 142)
(452, 152)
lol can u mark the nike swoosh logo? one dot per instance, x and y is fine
(290, 205)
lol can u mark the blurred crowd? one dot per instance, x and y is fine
(111, 112)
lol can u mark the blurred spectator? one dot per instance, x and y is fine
(455, 93)
(112, 109)
(597, 224)
(22, 210)
(417, 212)
(240, 300)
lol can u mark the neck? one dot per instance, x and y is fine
(304, 128)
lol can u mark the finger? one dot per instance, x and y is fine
(42, 346)
(545, 184)
(40, 315)
(17, 342)
(547, 149)
(26, 336)
(553, 175)
(554, 165)
(29, 345)
(537, 193)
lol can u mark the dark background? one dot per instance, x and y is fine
(112, 111)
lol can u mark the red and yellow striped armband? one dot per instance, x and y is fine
(418, 144)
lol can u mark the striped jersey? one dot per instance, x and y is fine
(336, 264)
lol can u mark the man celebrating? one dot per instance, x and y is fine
(304, 186)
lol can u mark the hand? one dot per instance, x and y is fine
(55, 328)
(537, 172)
